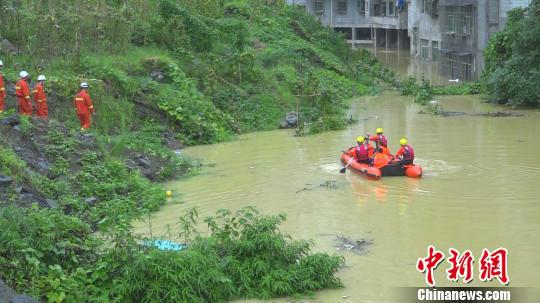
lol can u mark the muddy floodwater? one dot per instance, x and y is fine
(403, 64)
(481, 189)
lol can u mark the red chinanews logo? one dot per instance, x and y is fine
(491, 265)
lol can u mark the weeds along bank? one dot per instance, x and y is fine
(162, 74)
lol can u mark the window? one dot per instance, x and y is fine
(458, 19)
(426, 6)
(466, 68)
(424, 48)
(430, 6)
(467, 22)
(451, 16)
(449, 67)
(318, 6)
(391, 8)
(342, 7)
(362, 6)
(435, 51)
(383, 9)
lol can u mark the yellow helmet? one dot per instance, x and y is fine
(379, 130)
(360, 139)
(403, 141)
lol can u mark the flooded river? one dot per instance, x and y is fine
(481, 189)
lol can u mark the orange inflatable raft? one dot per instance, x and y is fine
(382, 166)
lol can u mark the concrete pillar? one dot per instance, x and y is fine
(353, 37)
(386, 38)
(375, 31)
(331, 14)
(398, 44)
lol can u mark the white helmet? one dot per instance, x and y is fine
(84, 85)
(1, 63)
(23, 74)
(41, 78)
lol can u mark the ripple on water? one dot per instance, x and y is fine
(436, 168)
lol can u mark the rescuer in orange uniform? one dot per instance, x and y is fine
(381, 141)
(406, 152)
(2, 89)
(23, 94)
(40, 99)
(361, 151)
(84, 106)
(371, 149)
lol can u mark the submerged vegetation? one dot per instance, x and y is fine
(58, 257)
(424, 92)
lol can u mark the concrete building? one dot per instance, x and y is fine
(455, 33)
(452, 33)
(381, 23)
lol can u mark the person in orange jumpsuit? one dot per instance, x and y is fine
(381, 141)
(405, 154)
(361, 151)
(2, 89)
(371, 149)
(23, 94)
(40, 99)
(84, 106)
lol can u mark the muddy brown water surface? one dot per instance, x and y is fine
(403, 64)
(481, 189)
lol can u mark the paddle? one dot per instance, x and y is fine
(344, 169)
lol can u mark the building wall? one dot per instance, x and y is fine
(489, 16)
(427, 26)
(353, 17)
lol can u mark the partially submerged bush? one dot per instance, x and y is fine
(246, 255)
(51, 255)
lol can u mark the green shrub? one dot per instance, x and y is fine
(245, 256)
(511, 73)
(36, 241)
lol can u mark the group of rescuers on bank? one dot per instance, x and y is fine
(363, 152)
(82, 101)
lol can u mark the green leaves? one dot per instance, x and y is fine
(246, 255)
(511, 73)
(57, 256)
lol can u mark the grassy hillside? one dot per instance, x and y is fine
(213, 68)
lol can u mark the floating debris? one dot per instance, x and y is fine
(499, 114)
(329, 184)
(165, 245)
(305, 188)
(358, 247)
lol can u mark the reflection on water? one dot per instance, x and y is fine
(480, 190)
(402, 63)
